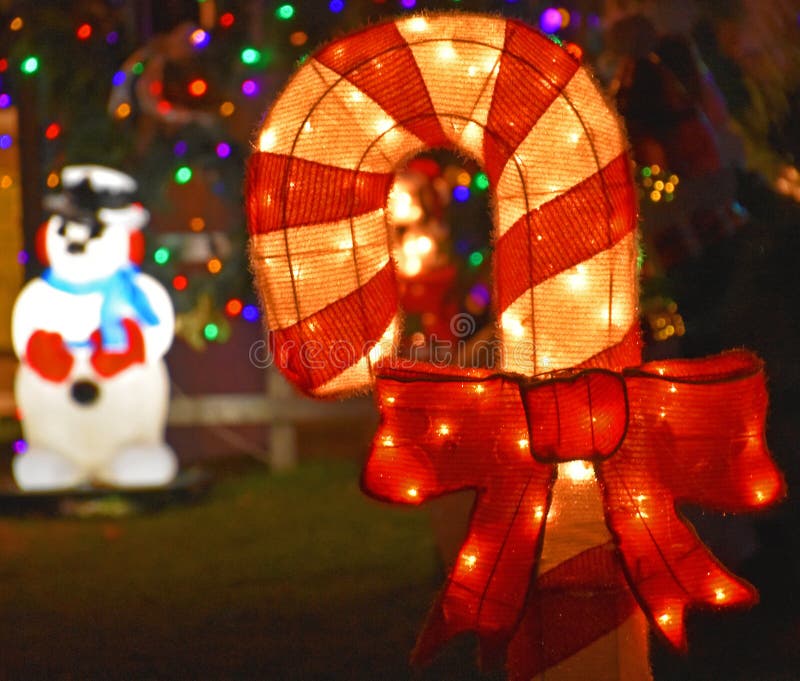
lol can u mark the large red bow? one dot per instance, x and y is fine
(659, 435)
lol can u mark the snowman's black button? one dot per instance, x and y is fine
(85, 392)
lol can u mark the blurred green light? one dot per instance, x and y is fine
(211, 331)
(183, 174)
(285, 12)
(138, 68)
(641, 256)
(646, 172)
(161, 256)
(481, 181)
(29, 65)
(250, 56)
(475, 258)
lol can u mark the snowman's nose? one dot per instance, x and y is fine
(76, 230)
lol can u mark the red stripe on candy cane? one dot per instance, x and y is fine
(533, 72)
(597, 213)
(291, 192)
(626, 353)
(379, 62)
(322, 346)
(556, 624)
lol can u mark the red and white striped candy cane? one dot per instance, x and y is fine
(564, 204)
(496, 90)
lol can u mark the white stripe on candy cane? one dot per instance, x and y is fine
(319, 253)
(558, 153)
(566, 334)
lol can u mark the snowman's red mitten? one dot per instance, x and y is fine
(108, 363)
(47, 355)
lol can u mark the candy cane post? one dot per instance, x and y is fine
(577, 452)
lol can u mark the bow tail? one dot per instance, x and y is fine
(487, 586)
(668, 567)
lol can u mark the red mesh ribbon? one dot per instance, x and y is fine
(679, 431)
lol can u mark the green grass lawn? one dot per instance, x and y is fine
(289, 576)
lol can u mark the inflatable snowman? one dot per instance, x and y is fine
(91, 334)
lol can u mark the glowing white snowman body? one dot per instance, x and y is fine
(91, 334)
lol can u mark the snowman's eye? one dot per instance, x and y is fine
(62, 228)
(96, 229)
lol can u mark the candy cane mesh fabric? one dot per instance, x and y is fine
(491, 88)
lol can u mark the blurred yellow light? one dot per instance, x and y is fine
(578, 471)
(16, 24)
(446, 51)
(52, 180)
(226, 109)
(424, 245)
(214, 265)
(123, 110)
(197, 224)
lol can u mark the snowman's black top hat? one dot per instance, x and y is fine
(93, 194)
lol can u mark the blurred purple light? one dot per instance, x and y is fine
(250, 313)
(223, 150)
(550, 20)
(249, 88)
(481, 293)
(461, 193)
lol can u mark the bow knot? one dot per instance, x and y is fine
(576, 415)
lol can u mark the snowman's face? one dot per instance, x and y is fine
(85, 250)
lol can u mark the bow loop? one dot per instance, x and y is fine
(572, 416)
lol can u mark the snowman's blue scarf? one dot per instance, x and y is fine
(120, 294)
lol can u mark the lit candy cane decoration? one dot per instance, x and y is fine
(495, 90)
(565, 281)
